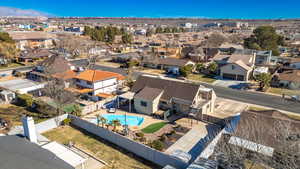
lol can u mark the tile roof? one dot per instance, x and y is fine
(171, 88)
(98, 75)
(261, 124)
(38, 53)
(70, 74)
(148, 93)
(56, 64)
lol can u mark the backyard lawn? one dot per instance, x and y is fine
(201, 78)
(113, 155)
(152, 128)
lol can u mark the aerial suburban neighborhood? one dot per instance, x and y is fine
(133, 92)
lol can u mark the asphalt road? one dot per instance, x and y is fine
(238, 95)
(256, 98)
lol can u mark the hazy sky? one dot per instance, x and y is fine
(243, 9)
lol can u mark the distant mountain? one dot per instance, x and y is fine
(8, 11)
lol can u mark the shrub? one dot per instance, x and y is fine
(66, 121)
(158, 145)
(163, 138)
(24, 100)
(140, 134)
(173, 132)
(143, 139)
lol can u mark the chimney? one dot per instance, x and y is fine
(29, 129)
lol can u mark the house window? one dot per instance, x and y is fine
(89, 83)
(232, 67)
(144, 104)
(77, 80)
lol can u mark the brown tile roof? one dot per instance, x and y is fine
(148, 93)
(290, 75)
(38, 53)
(98, 75)
(56, 64)
(235, 57)
(260, 126)
(171, 88)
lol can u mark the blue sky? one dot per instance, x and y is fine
(242, 9)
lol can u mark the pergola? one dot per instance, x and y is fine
(129, 96)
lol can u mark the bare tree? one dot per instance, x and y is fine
(55, 89)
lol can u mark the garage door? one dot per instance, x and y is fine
(229, 76)
(233, 77)
(240, 77)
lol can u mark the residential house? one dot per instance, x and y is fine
(125, 57)
(262, 135)
(32, 39)
(235, 66)
(289, 79)
(168, 52)
(34, 55)
(265, 58)
(156, 93)
(294, 63)
(171, 65)
(50, 66)
(96, 84)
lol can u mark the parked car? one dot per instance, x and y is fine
(296, 98)
(112, 110)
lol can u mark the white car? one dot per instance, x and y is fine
(112, 110)
(296, 98)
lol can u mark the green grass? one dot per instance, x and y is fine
(201, 78)
(68, 108)
(116, 157)
(152, 128)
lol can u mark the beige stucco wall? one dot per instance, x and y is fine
(152, 106)
(237, 71)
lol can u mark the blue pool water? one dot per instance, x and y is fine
(129, 120)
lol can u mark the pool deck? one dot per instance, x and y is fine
(189, 140)
(147, 119)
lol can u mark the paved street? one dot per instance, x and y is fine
(256, 98)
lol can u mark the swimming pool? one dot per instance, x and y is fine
(129, 120)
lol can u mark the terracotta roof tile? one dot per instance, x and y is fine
(98, 75)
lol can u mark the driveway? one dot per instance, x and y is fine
(233, 84)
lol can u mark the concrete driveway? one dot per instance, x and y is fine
(230, 83)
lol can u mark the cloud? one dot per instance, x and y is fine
(9, 11)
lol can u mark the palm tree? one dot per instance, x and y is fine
(116, 123)
(103, 121)
(264, 80)
(98, 119)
